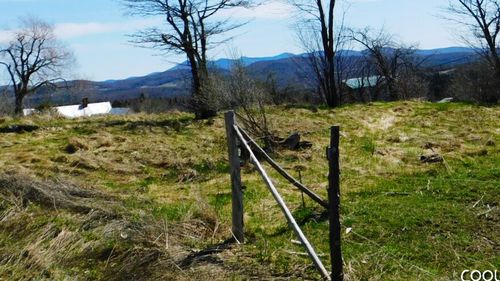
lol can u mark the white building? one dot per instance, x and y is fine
(85, 109)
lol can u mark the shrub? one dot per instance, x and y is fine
(475, 82)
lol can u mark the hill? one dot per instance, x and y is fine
(286, 69)
(147, 197)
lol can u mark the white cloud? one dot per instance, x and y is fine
(5, 36)
(271, 10)
(72, 30)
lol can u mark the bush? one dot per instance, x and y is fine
(240, 92)
(158, 105)
(475, 82)
(411, 86)
(6, 104)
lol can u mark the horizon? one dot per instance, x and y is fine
(265, 57)
(100, 44)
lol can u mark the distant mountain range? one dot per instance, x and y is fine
(286, 69)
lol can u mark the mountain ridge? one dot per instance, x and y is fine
(287, 68)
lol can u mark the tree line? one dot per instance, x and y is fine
(34, 58)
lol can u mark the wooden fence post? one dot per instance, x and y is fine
(236, 187)
(334, 205)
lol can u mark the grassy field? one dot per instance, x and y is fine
(147, 197)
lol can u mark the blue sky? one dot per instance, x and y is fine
(96, 30)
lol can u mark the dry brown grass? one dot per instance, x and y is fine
(89, 234)
(163, 181)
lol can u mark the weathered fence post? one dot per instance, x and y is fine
(236, 190)
(334, 205)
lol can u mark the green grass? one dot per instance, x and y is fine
(409, 220)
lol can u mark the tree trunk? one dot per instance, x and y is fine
(496, 64)
(494, 59)
(334, 95)
(329, 82)
(327, 34)
(200, 102)
(393, 94)
(18, 109)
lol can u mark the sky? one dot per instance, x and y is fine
(97, 31)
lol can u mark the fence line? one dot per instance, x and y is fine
(282, 172)
(284, 208)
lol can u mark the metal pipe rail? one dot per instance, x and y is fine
(284, 173)
(312, 254)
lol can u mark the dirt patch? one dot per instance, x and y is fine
(386, 122)
(381, 123)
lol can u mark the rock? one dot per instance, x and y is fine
(431, 158)
(292, 141)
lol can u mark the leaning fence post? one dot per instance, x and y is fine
(236, 190)
(334, 205)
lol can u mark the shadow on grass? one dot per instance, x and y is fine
(302, 216)
(18, 129)
(207, 255)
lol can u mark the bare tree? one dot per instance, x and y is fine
(482, 18)
(389, 59)
(188, 29)
(319, 25)
(33, 59)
